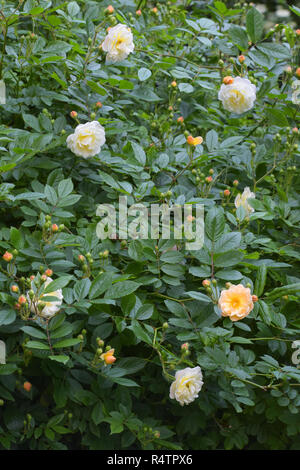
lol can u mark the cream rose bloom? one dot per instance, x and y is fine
(188, 383)
(241, 200)
(239, 96)
(118, 43)
(52, 307)
(87, 139)
(236, 302)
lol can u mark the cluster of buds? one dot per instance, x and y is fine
(86, 263)
(50, 229)
(107, 356)
(209, 288)
(104, 254)
(165, 195)
(185, 349)
(202, 178)
(149, 433)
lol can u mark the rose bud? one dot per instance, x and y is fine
(180, 119)
(226, 192)
(73, 114)
(185, 346)
(254, 298)
(49, 272)
(15, 288)
(298, 72)
(54, 228)
(110, 9)
(7, 256)
(208, 179)
(22, 300)
(206, 283)
(235, 183)
(27, 386)
(241, 59)
(138, 12)
(174, 84)
(99, 104)
(228, 80)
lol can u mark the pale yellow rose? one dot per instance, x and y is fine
(87, 139)
(51, 307)
(188, 383)
(241, 200)
(236, 302)
(118, 43)
(238, 96)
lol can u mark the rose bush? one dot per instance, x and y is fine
(143, 343)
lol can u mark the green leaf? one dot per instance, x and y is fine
(214, 223)
(57, 284)
(276, 117)
(30, 330)
(62, 359)
(260, 280)
(144, 74)
(120, 289)
(255, 24)
(37, 345)
(66, 343)
(239, 37)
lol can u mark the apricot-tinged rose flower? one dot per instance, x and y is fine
(236, 302)
(51, 307)
(87, 139)
(118, 43)
(241, 200)
(188, 383)
(239, 96)
(194, 140)
(108, 357)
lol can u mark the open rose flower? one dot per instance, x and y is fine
(188, 383)
(87, 139)
(236, 302)
(118, 43)
(51, 307)
(238, 96)
(241, 200)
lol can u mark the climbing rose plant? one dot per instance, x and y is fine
(143, 343)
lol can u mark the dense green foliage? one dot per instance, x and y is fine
(124, 292)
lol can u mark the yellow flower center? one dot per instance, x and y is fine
(236, 96)
(85, 139)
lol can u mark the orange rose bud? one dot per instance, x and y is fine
(298, 72)
(154, 10)
(99, 104)
(190, 218)
(81, 258)
(298, 32)
(108, 357)
(44, 278)
(73, 114)
(110, 9)
(54, 228)
(254, 298)
(7, 256)
(227, 80)
(17, 306)
(185, 346)
(206, 283)
(138, 12)
(49, 272)
(15, 288)
(295, 130)
(226, 192)
(32, 277)
(170, 108)
(180, 119)
(22, 300)
(235, 183)
(208, 179)
(174, 84)
(241, 58)
(27, 386)
(288, 69)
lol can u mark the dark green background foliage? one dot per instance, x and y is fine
(250, 398)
